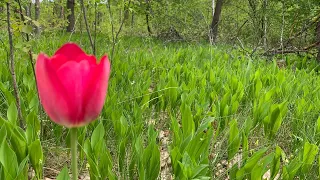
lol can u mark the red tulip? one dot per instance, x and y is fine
(72, 85)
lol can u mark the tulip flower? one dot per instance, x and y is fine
(72, 85)
(72, 88)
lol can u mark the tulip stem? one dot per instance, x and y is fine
(74, 163)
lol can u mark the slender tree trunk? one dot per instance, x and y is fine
(37, 14)
(215, 21)
(87, 26)
(318, 39)
(27, 10)
(61, 10)
(264, 24)
(70, 17)
(147, 17)
(12, 68)
(132, 19)
(30, 7)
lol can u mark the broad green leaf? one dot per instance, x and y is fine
(318, 126)
(257, 172)
(234, 139)
(291, 169)
(253, 160)
(240, 174)
(199, 171)
(258, 87)
(245, 146)
(3, 133)
(124, 126)
(122, 154)
(36, 23)
(105, 162)
(97, 138)
(26, 29)
(176, 157)
(309, 153)
(188, 126)
(261, 167)
(275, 166)
(151, 158)
(23, 168)
(12, 114)
(8, 160)
(36, 157)
(64, 174)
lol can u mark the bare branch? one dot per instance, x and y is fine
(87, 26)
(12, 69)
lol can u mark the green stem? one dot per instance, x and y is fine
(74, 164)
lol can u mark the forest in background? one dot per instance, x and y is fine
(268, 27)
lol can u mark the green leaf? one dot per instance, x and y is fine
(8, 160)
(12, 113)
(97, 138)
(22, 168)
(234, 139)
(36, 157)
(26, 29)
(187, 122)
(3, 132)
(124, 126)
(105, 163)
(318, 126)
(256, 172)
(275, 166)
(122, 154)
(253, 160)
(175, 157)
(151, 158)
(292, 168)
(261, 167)
(198, 171)
(275, 121)
(245, 146)
(309, 153)
(33, 128)
(36, 23)
(64, 174)
(258, 87)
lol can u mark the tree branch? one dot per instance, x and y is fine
(303, 30)
(12, 69)
(87, 26)
(32, 66)
(115, 36)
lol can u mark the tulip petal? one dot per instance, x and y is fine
(75, 78)
(70, 50)
(96, 94)
(91, 59)
(58, 60)
(52, 93)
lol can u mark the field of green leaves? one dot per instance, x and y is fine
(173, 110)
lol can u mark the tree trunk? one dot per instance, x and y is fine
(318, 39)
(215, 21)
(132, 19)
(37, 14)
(30, 7)
(264, 24)
(70, 17)
(27, 10)
(147, 17)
